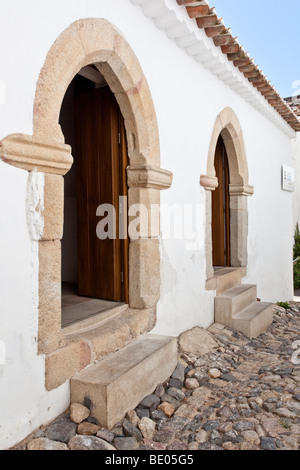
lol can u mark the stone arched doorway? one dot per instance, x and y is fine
(228, 128)
(47, 159)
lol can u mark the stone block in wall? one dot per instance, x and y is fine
(50, 333)
(53, 207)
(144, 273)
(62, 364)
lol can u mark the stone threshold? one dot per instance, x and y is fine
(94, 320)
(95, 338)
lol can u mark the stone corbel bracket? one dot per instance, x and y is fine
(148, 176)
(24, 151)
(210, 183)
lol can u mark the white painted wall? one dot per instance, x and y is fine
(187, 98)
(296, 166)
(270, 245)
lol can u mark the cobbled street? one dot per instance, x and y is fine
(226, 393)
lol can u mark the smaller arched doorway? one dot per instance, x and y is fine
(227, 191)
(221, 209)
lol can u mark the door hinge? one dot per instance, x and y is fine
(119, 138)
(122, 277)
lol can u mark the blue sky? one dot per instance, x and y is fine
(269, 30)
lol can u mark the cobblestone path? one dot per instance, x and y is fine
(238, 394)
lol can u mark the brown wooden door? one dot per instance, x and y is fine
(220, 209)
(101, 161)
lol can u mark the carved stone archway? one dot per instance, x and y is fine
(47, 158)
(228, 126)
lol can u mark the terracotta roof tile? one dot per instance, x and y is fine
(207, 19)
(198, 11)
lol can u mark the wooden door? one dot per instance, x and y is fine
(220, 209)
(101, 161)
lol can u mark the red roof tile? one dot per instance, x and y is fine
(207, 19)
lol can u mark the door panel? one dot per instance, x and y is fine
(220, 209)
(124, 244)
(101, 178)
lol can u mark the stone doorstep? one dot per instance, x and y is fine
(233, 301)
(226, 278)
(119, 382)
(254, 319)
(236, 304)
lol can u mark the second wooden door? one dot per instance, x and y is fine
(220, 209)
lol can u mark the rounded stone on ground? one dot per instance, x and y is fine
(201, 436)
(193, 446)
(176, 393)
(155, 445)
(285, 413)
(241, 426)
(150, 401)
(132, 417)
(179, 372)
(147, 427)
(202, 377)
(214, 373)
(197, 341)
(189, 359)
(106, 434)
(78, 413)
(43, 443)
(79, 442)
(259, 401)
(62, 429)
(177, 445)
(160, 390)
(131, 431)
(251, 437)
(169, 399)
(245, 445)
(126, 443)
(87, 429)
(191, 383)
(190, 373)
(143, 412)
(268, 443)
(157, 414)
(167, 408)
(229, 446)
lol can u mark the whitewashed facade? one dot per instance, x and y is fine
(191, 83)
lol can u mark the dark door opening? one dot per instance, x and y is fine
(94, 270)
(220, 209)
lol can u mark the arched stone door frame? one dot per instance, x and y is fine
(47, 158)
(227, 125)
